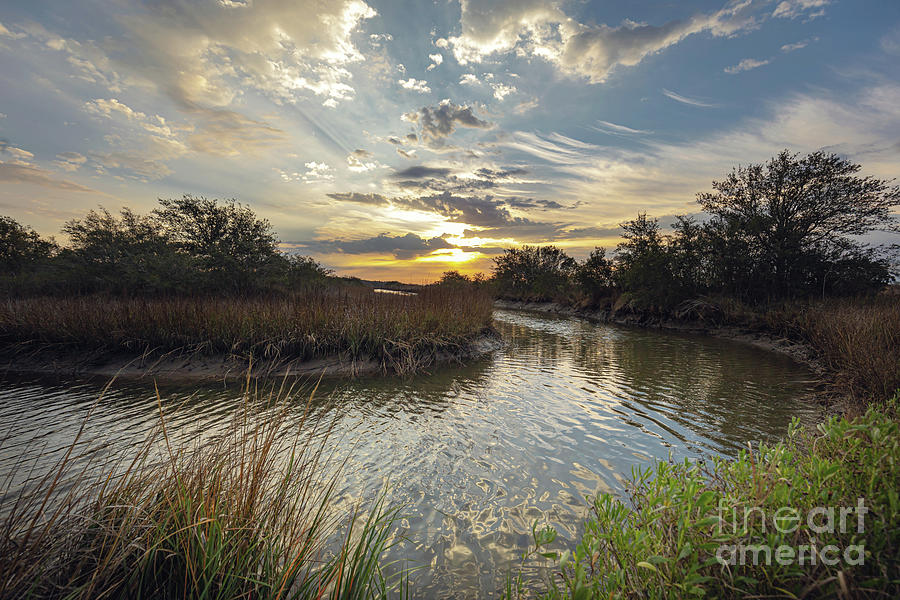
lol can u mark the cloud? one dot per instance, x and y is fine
(501, 90)
(438, 122)
(14, 173)
(746, 65)
(70, 161)
(791, 9)
(686, 100)
(224, 132)
(890, 42)
(614, 129)
(665, 176)
(403, 247)
(436, 60)
(316, 172)
(4, 32)
(798, 45)
(20, 156)
(421, 171)
(415, 85)
(360, 161)
(540, 29)
(469, 79)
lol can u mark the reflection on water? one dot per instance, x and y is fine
(475, 453)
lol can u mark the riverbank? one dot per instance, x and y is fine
(799, 351)
(853, 345)
(195, 367)
(345, 332)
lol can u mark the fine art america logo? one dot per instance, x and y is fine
(786, 520)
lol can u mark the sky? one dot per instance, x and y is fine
(398, 140)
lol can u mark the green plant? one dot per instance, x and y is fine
(685, 524)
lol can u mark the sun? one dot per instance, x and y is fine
(450, 255)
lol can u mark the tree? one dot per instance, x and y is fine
(800, 211)
(228, 239)
(643, 267)
(533, 272)
(595, 275)
(129, 253)
(21, 247)
(454, 279)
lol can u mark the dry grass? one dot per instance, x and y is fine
(243, 514)
(400, 332)
(858, 339)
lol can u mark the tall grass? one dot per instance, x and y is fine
(858, 339)
(769, 524)
(401, 333)
(245, 513)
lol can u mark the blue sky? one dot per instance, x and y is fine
(401, 139)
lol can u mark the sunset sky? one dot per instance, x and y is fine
(398, 140)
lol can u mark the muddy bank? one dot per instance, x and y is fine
(180, 366)
(802, 353)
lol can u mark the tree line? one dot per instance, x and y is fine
(189, 245)
(788, 228)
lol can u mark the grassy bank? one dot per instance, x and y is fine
(401, 333)
(242, 514)
(781, 521)
(858, 340)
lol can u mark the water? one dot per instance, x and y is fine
(476, 453)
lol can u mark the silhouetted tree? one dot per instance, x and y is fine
(796, 212)
(643, 266)
(21, 247)
(534, 272)
(595, 275)
(129, 253)
(228, 239)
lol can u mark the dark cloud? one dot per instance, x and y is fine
(451, 184)
(438, 122)
(536, 231)
(523, 203)
(374, 199)
(401, 246)
(505, 173)
(16, 173)
(360, 153)
(421, 171)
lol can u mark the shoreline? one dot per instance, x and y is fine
(175, 366)
(801, 353)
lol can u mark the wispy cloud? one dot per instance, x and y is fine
(686, 100)
(746, 65)
(615, 129)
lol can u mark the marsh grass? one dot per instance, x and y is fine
(401, 333)
(246, 512)
(858, 339)
(664, 540)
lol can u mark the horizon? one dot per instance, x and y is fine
(397, 142)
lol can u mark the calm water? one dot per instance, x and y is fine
(477, 452)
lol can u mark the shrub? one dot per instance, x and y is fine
(538, 273)
(682, 531)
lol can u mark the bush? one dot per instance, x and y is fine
(683, 530)
(537, 273)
